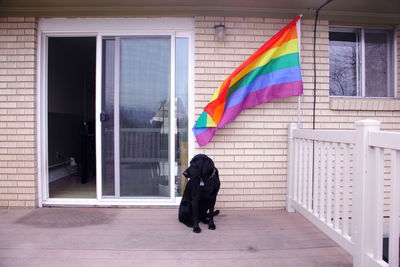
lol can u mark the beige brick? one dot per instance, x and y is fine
(234, 204)
(17, 111)
(253, 204)
(8, 196)
(17, 203)
(8, 183)
(26, 197)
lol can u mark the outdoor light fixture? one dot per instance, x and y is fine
(220, 31)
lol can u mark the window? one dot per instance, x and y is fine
(361, 62)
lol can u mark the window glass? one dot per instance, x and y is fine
(145, 73)
(343, 54)
(377, 72)
(355, 73)
(182, 85)
(107, 126)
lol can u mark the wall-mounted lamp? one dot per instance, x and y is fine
(220, 31)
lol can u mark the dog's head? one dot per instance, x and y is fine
(200, 166)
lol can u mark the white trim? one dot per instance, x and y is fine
(172, 120)
(42, 107)
(98, 123)
(342, 136)
(114, 26)
(39, 150)
(112, 202)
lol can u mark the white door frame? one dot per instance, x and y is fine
(99, 28)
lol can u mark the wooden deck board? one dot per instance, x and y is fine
(154, 237)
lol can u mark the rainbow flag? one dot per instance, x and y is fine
(273, 71)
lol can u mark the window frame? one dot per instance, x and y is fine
(100, 28)
(361, 65)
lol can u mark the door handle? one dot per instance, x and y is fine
(103, 117)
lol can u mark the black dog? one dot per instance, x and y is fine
(201, 191)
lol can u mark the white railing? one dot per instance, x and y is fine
(339, 180)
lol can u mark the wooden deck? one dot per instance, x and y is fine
(87, 237)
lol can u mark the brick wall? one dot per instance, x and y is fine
(17, 112)
(251, 152)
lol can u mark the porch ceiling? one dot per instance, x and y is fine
(354, 11)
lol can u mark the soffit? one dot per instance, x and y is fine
(353, 11)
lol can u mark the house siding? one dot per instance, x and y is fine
(250, 153)
(18, 179)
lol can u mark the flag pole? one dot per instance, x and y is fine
(299, 44)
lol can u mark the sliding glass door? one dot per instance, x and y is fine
(144, 133)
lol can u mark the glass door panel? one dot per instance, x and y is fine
(136, 115)
(181, 107)
(144, 127)
(107, 128)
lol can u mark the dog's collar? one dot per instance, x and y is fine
(209, 178)
(212, 175)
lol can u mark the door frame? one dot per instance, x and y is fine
(99, 28)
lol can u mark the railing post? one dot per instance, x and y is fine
(290, 168)
(362, 187)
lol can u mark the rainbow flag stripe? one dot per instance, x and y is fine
(273, 71)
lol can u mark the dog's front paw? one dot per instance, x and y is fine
(196, 229)
(212, 226)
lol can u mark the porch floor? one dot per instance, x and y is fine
(87, 237)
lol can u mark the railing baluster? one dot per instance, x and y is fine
(306, 174)
(301, 168)
(310, 165)
(346, 191)
(394, 210)
(296, 171)
(377, 222)
(329, 185)
(322, 184)
(316, 180)
(337, 186)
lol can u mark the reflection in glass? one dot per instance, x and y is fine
(145, 70)
(108, 120)
(343, 63)
(181, 82)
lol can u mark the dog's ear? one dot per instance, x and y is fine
(208, 167)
